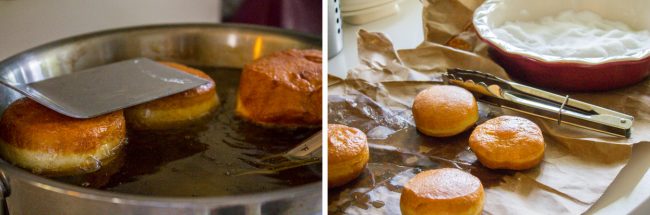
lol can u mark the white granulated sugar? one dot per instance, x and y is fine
(575, 35)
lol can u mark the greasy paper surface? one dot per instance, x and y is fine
(376, 97)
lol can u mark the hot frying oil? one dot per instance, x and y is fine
(202, 159)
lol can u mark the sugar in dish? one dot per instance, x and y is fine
(574, 34)
(574, 71)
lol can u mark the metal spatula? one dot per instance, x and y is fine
(108, 88)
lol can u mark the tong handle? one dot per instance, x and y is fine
(308, 149)
(579, 109)
(603, 123)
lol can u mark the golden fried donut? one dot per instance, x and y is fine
(282, 89)
(102, 177)
(347, 154)
(48, 143)
(175, 110)
(442, 191)
(508, 142)
(444, 110)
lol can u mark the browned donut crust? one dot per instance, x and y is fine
(282, 89)
(442, 191)
(508, 142)
(40, 139)
(177, 109)
(444, 110)
(347, 152)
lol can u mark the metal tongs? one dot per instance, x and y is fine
(306, 153)
(307, 150)
(536, 102)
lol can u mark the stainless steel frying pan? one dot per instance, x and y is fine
(194, 44)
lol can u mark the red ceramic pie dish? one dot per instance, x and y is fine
(552, 72)
(570, 76)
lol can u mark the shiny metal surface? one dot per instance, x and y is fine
(194, 44)
(334, 28)
(93, 92)
(541, 103)
(308, 149)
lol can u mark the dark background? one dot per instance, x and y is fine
(298, 15)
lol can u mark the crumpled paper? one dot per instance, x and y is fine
(376, 97)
